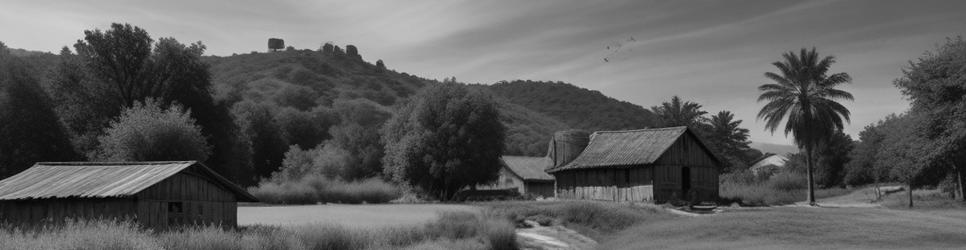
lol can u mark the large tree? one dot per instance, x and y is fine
(115, 68)
(936, 85)
(805, 92)
(444, 139)
(29, 128)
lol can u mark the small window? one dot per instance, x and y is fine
(175, 207)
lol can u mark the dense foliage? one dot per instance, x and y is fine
(721, 133)
(445, 139)
(29, 127)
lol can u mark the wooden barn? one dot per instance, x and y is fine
(525, 174)
(157, 195)
(656, 165)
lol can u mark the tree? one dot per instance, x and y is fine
(115, 68)
(148, 132)
(358, 133)
(934, 83)
(832, 156)
(267, 140)
(275, 44)
(806, 93)
(29, 127)
(444, 139)
(861, 167)
(729, 139)
(680, 113)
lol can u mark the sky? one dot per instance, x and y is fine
(711, 52)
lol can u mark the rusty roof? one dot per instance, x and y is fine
(625, 148)
(101, 179)
(528, 168)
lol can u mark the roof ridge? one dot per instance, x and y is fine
(641, 130)
(111, 163)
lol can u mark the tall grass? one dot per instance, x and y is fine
(780, 189)
(453, 230)
(315, 188)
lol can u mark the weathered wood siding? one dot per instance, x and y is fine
(542, 189)
(40, 212)
(508, 180)
(186, 199)
(612, 184)
(686, 152)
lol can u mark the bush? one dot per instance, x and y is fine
(314, 189)
(148, 132)
(783, 188)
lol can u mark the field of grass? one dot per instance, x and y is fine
(800, 228)
(781, 189)
(451, 230)
(355, 216)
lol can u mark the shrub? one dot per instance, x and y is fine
(312, 189)
(148, 132)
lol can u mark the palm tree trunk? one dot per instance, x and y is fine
(811, 181)
(960, 188)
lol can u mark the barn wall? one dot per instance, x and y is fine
(186, 199)
(543, 189)
(39, 212)
(686, 152)
(613, 184)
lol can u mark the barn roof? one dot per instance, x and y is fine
(528, 168)
(627, 147)
(101, 179)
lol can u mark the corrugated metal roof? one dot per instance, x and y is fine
(624, 148)
(528, 168)
(99, 179)
(773, 160)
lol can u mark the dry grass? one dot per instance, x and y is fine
(450, 231)
(316, 189)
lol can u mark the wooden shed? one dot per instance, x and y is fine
(157, 195)
(525, 174)
(657, 165)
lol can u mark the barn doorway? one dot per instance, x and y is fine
(685, 182)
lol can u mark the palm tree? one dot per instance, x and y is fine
(679, 113)
(724, 126)
(805, 93)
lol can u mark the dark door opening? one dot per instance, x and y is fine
(685, 182)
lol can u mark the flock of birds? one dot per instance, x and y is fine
(616, 48)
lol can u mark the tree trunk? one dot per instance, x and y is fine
(960, 188)
(811, 180)
(910, 192)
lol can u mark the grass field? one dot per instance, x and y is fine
(855, 224)
(355, 216)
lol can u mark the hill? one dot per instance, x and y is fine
(577, 107)
(308, 80)
(779, 149)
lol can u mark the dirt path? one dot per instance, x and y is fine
(861, 198)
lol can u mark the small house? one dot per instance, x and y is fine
(768, 165)
(647, 165)
(157, 195)
(524, 174)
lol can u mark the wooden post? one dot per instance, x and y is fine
(960, 188)
(910, 192)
